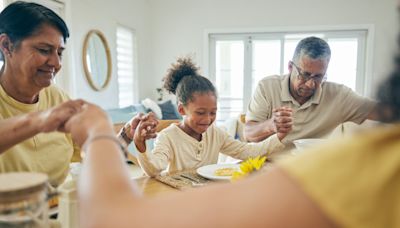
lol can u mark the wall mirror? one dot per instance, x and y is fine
(96, 59)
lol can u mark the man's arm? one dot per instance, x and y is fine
(258, 131)
(280, 123)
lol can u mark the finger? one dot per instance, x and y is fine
(151, 115)
(283, 120)
(143, 133)
(147, 126)
(284, 130)
(151, 131)
(284, 125)
(134, 122)
(151, 136)
(283, 113)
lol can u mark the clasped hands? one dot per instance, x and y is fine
(282, 121)
(143, 127)
(83, 119)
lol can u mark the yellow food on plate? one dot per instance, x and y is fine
(224, 171)
(53, 201)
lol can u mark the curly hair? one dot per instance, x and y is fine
(183, 80)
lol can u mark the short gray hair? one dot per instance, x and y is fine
(312, 47)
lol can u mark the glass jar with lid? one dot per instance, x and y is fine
(23, 200)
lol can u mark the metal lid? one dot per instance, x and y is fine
(17, 186)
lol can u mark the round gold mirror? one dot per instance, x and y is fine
(96, 59)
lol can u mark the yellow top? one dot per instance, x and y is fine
(48, 153)
(356, 182)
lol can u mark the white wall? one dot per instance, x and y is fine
(178, 25)
(167, 29)
(105, 15)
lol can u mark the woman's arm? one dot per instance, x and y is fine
(17, 129)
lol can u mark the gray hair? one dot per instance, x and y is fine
(312, 47)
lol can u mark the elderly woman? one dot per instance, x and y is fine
(32, 41)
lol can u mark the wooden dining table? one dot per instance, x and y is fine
(149, 186)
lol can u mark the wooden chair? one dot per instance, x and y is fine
(161, 125)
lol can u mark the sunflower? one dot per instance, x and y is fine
(249, 166)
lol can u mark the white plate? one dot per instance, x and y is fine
(308, 143)
(209, 170)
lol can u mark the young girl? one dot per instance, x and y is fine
(195, 141)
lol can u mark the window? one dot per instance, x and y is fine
(125, 66)
(239, 61)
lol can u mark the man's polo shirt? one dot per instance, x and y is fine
(331, 105)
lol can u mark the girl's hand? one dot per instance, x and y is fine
(143, 128)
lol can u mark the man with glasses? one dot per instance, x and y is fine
(302, 104)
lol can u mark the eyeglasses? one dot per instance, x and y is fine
(305, 76)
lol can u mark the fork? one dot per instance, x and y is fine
(195, 183)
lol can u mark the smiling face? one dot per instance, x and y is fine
(199, 113)
(303, 89)
(36, 60)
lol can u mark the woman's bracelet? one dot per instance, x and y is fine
(105, 136)
(122, 133)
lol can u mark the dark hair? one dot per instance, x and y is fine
(20, 20)
(183, 80)
(389, 94)
(312, 47)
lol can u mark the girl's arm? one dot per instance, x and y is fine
(156, 161)
(244, 150)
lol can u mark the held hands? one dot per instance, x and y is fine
(55, 118)
(143, 127)
(282, 119)
(90, 121)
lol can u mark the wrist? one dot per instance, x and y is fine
(100, 128)
(108, 137)
(270, 127)
(140, 144)
(35, 121)
(125, 134)
(281, 136)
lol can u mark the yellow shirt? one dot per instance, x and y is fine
(48, 153)
(356, 182)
